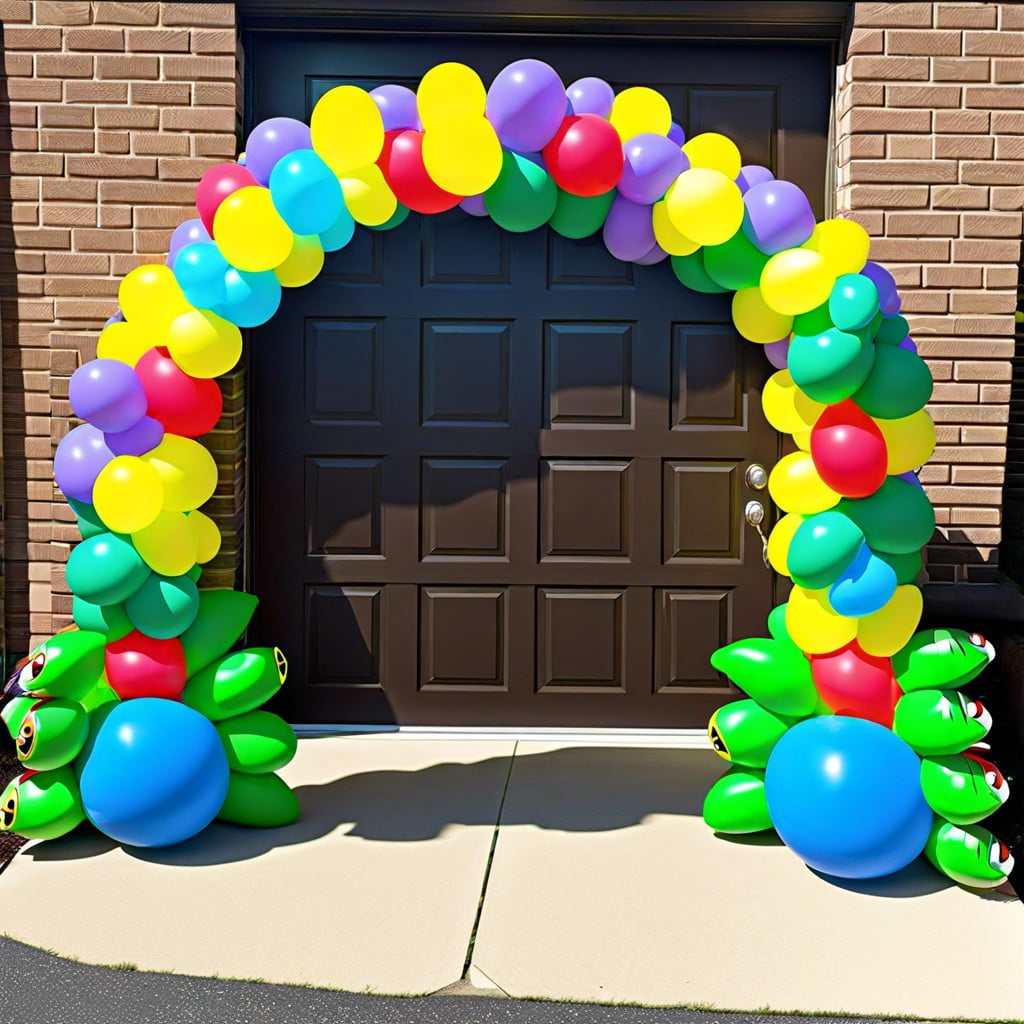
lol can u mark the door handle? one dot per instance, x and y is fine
(754, 515)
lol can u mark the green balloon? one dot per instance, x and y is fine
(736, 803)
(822, 547)
(222, 618)
(969, 854)
(735, 264)
(89, 522)
(580, 216)
(777, 624)
(940, 658)
(51, 734)
(937, 722)
(263, 801)
(892, 330)
(257, 742)
(775, 674)
(236, 684)
(897, 518)
(814, 322)
(524, 195)
(853, 302)
(746, 733)
(15, 710)
(906, 566)
(109, 619)
(398, 217)
(164, 606)
(67, 665)
(690, 271)
(899, 384)
(831, 366)
(47, 805)
(956, 787)
(106, 569)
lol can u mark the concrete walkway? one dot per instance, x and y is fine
(605, 886)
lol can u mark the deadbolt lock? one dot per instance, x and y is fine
(756, 477)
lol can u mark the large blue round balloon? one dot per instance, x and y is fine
(844, 794)
(153, 773)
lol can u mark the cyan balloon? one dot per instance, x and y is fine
(864, 586)
(306, 192)
(200, 270)
(252, 298)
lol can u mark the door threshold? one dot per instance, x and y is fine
(684, 739)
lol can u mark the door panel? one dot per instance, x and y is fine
(499, 478)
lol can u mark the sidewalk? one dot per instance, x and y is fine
(605, 886)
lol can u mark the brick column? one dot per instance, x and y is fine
(111, 112)
(930, 159)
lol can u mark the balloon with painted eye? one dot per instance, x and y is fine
(67, 665)
(51, 733)
(42, 805)
(237, 683)
(969, 854)
(937, 722)
(963, 788)
(940, 658)
(744, 732)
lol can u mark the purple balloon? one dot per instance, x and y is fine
(889, 301)
(474, 206)
(79, 459)
(778, 216)
(591, 96)
(186, 233)
(911, 478)
(753, 174)
(117, 318)
(143, 437)
(108, 394)
(656, 255)
(272, 139)
(526, 104)
(778, 353)
(653, 162)
(628, 230)
(908, 344)
(397, 106)
(676, 134)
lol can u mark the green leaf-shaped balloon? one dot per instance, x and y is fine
(831, 366)
(822, 547)
(969, 854)
(937, 722)
(897, 518)
(962, 789)
(941, 658)
(775, 674)
(736, 804)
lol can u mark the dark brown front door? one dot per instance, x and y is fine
(500, 478)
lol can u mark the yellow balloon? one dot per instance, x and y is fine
(304, 262)
(843, 243)
(207, 536)
(347, 129)
(128, 494)
(715, 151)
(703, 204)
(666, 235)
(250, 232)
(187, 470)
(462, 155)
(150, 294)
(639, 110)
(125, 342)
(802, 439)
(795, 486)
(368, 196)
(756, 320)
(168, 545)
(796, 281)
(910, 441)
(204, 344)
(889, 629)
(814, 625)
(786, 407)
(779, 540)
(449, 90)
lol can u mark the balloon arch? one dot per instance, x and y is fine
(855, 743)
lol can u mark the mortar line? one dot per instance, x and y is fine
(490, 861)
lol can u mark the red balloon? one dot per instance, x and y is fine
(401, 160)
(854, 683)
(216, 185)
(184, 405)
(849, 450)
(585, 157)
(139, 666)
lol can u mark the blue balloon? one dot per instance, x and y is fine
(200, 270)
(864, 586)
(252, 298)
(844, 794)
(306, 192)
(153, 773)
(340, 233)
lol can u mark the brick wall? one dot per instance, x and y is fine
(930, 159)
(109, 115)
